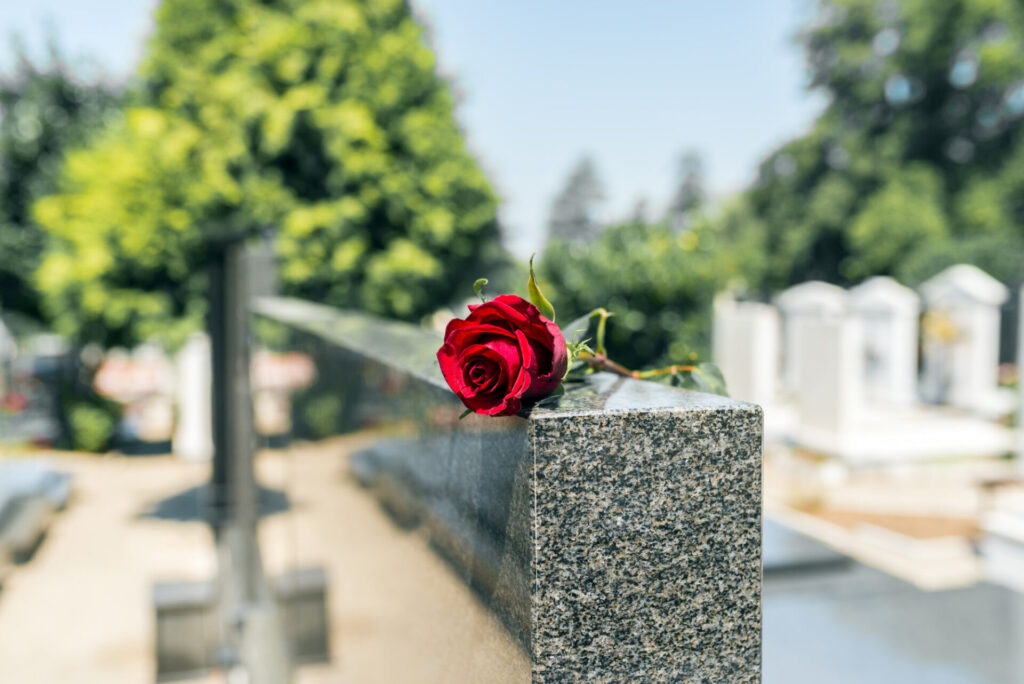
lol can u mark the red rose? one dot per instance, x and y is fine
(502, 353)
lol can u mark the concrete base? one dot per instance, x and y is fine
(188, 629)
(893, 435)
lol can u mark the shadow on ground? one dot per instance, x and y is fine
(192, 504)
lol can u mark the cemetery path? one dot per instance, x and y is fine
(79, 611)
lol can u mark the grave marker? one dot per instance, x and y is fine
(889, 313)
(745, 341)
(807, 302)
(615, 533)
(961, 338)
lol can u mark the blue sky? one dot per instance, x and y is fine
(632, 84)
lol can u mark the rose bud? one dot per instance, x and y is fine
(503, 353)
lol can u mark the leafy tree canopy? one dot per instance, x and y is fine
(45, 109)
(690, 194)
(324, 119)
(919, 155)
(574, 211)
(657, 282)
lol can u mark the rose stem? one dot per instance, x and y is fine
(602, 362)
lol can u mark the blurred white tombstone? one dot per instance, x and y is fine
(961, 338)
(128, 377)
(745, 345)
(143, 381)
(831, 372)
(193, 435)
(274, 377)
(812, 302)
(888, 312)
(1002, 544)
(153, 414)
(7, 345)
(1020, 381)
(7, 350)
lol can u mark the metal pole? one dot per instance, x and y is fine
(253, 638)
(216, 325)
(1020, 382)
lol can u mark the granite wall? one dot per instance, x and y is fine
(616, 534)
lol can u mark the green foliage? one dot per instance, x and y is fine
(45, 109)
(127, 252)
(911, 200)
(996, 255)
(478, 288)
(920, 149)
(322, 118)
(658, 284)
(706, 377)
(538, 298)
(322, 415)
(574, 211)
(690, 194)
(92, 426)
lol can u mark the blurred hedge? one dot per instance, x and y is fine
(658, 283)
(46, 108)
(324, 119)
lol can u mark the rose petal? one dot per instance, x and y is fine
(504, 351)
(495, 382)
(523, 315)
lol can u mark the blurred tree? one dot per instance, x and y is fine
(641, 211)
(574, 212)
(690, 194)
(920, 145)
(659, 285)
(323, 118)
(45, 109)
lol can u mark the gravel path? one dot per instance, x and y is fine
(80, 611)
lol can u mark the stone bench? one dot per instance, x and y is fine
(616, 533)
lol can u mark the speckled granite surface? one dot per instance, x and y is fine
(616, 533)
(647, 537)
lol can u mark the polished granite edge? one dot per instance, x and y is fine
(631, 547)
(607, 394)
(647, 545)
(397, 345)
(412, 350)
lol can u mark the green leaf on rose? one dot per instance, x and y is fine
(578, 325)
(552, 398)
(706, 377)
(582, 324)
(478, 287)
(574, 350)
(603, 316)
(538, 298)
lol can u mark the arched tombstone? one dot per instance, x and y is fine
(811, 302)
(830, 395)
(8, 347)
(961, 338)
(888, 312)
(745, 345)
(1020, 381)
(193, 435)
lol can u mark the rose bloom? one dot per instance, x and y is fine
(503, 353)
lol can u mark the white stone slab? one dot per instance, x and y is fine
(889, 312)
(811, 301)
(193, 435)
(961, 339)
(831, 372)
(745, 345)
(916, 434)
(1020, 381)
